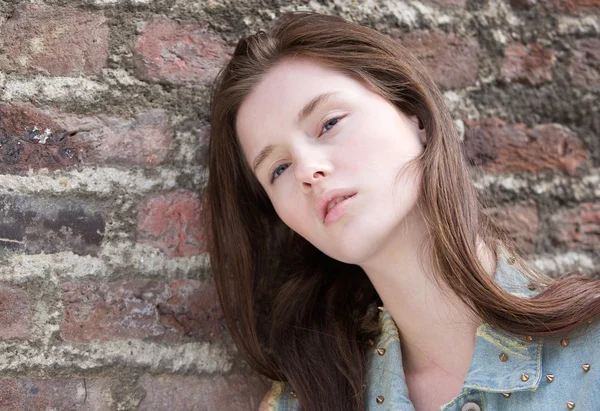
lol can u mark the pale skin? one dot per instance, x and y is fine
(355, 139)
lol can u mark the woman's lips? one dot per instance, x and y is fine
(324, 199)
(338, 210)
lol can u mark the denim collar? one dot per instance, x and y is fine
(521, 371)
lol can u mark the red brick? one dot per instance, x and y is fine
(585, 62)
(52, 40)
(570, 5)
(35, 225)
(171, 52)
(55, 394)
(33, 138)
(15, 320)
(578, 228)
(172, 222)
(190, 393)
(141, 309)
(530, 65)
(520, 221)
(452, 61)
(517, 148)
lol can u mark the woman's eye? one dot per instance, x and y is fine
(278, 171)
(330, 123)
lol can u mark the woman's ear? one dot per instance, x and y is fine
(421, 130)
(422, 133)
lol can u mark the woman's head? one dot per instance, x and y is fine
(311, 134)
(377, 96)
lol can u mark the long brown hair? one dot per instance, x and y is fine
(302, 317)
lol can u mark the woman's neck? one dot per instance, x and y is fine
(437, 330)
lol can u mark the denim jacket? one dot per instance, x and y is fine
(506, 372)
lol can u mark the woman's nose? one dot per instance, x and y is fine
(311, 171)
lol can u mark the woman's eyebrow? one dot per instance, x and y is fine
(264, 153)
(312, 104)
(305, 112)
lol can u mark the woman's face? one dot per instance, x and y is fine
(313, 135)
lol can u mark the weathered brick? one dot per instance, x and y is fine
(35, 225)
(570, 5)
(183, 393)
(173, 223)
(141, 309)
(27, 394)
(30, 139)
(520, 221)
(34, 138)
(52, 40)
(15, 320)
(171, 52)
(452, 61)
(143, 139)
(585, 63)
(578, 228)
(530, 65)
(504, 147)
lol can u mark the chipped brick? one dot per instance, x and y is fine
(34, 225)
(141, 309)
(15, 320)
(530, 64)
(190, 393)
(170, 52)
(452, 61)
(520, 221)
(173, 223)
(517, 148)
(53, 40)
(578, 228)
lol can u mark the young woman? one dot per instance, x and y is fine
(354, 263)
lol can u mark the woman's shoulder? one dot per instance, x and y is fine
(280, 398)
(571, 367)
(580, 346)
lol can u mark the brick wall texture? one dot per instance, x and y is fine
(106, 298)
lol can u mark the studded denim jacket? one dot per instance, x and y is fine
(506, 372)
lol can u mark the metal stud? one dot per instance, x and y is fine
(586, 367)
(293, 394)
(524, 377)
(380, 308)
(379, 399)
(503, 357)
(506, 394)
(570, 405)
(529, 338)
(564, 342)
(381, 351)
(550, 377)
(371, 342)
(511, 260)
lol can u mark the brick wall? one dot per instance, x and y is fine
(106, 299)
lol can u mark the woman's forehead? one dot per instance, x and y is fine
(286, 88)
(274, 105)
